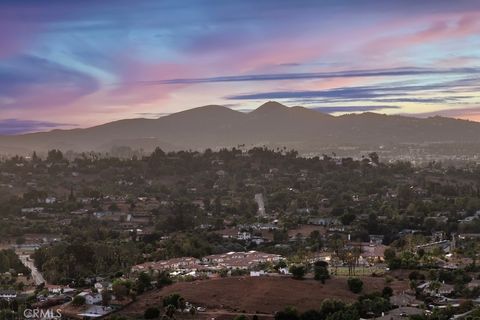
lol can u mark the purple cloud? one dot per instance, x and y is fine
(320, 75)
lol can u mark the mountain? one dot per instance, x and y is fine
(272, 124)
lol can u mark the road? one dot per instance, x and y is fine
(36, 275)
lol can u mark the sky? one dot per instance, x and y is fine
(69, 64)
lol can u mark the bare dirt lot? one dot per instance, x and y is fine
(263, 295)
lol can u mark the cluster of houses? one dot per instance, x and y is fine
(209, 264)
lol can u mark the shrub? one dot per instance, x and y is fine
(355, 285)
(174, 299)
(321, 271)
(78, 301)
(387, 292)
(289, 313)
(151, 313)
(297, 271)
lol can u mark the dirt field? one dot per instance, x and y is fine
(258, 294)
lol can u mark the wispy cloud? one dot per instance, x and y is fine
(30, 81)
(394, 72)
(386, 92)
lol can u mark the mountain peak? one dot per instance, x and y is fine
(270, 106)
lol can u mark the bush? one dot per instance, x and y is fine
(289, 313)
(320, 270)
(355, 285)
(174, 299)
(415, 275)
(297, 271)
(387, 292)
(151, 313)
(78, 301)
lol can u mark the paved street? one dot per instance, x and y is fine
(36, 275)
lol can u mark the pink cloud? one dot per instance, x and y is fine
(440, 29)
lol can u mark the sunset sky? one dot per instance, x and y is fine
(66, 64)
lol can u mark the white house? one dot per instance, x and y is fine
(91, 298)
(8, 294)
(50, 200)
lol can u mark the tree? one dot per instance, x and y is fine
(78, 301)
(387, 292)
(144, 282)
(121, 289)
(54, 156)
(374, 157)
(297, 271)
(151, 313)
(389, 254)
(320, 270)
(311, 315)
(173, 299)
(355, 285)
(106, 297)
(289, 313)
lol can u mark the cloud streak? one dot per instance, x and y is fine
(380, 92)
(394, 72)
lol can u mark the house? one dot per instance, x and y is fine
(436, 289)
(102, 285)
(50, 200)
(102, 214)
(90, 297)
(258, 240)
(404, 300)
(33, 210)
(473, 284)
(240, 260)
(244, 235)
(325, 221)
(8, 294)
(444, 245)
(376, 238)
(369, 252)
(183, 264)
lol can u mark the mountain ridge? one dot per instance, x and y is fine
(271, 124)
